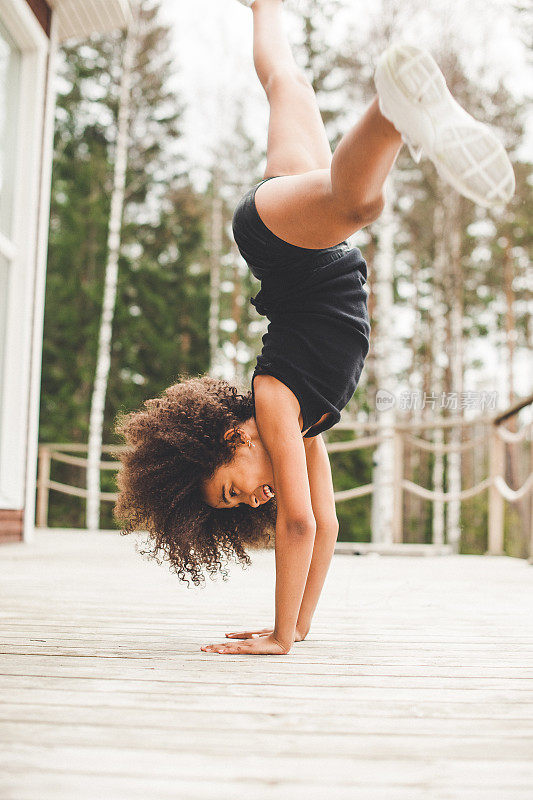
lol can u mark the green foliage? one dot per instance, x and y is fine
(160, 326)
(351, 469)
(474, 525)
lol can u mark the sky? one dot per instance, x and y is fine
(213, 52)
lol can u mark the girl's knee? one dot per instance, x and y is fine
(286, 78)
(368, 211)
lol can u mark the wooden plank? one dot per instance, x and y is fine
(490, 665)
(43, 13)
(11, 534)
(304, 744)
(337, 682)
(258, 719)
(326, 771)
(88, 789)
(53, 786)
(11, 525)
(115, 664)
(287, 692)
(56, 694)
(11, 514)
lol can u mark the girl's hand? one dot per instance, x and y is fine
(299, 636)
(259, 646)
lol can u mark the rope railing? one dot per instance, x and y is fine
(48, 453)
(399, 434)
(351, 494)
(353, 444)
(513, 495)
(445, 497)
(510, 437)
(436, 447)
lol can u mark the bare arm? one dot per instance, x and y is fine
(306, 525)
(327, 528)
(277, 415)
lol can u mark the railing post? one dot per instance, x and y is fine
(530, 559)
(438, 486)
(496, 504)
(397, 520)
(43, 491)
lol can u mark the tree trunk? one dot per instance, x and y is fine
(217, 223)
(439, 345)
(370, 363)
(237, 302)
(96, 421)
(386, 381)
(513, 450)
(414, 504)
(454, 285)
(510, 332)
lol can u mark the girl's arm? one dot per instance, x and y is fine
(327, 528)
(277, 418)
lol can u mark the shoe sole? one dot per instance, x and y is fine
(468, 155)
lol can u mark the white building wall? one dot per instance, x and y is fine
(20, 248)
(23, 246)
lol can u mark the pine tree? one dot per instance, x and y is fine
(160, 329)
(103, 360)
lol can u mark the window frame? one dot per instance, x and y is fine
(20, 250)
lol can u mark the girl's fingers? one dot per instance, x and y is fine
(249, 634)
(233, 649)
(249, 639)
(225, 648)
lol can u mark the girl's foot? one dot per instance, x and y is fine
(413, 95)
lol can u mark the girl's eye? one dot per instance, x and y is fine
(232, 493)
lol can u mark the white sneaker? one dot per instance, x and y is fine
(413, 95)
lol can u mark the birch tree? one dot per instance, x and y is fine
(96, 420)
(438, 336)
(215, 265)
(456, 367)
(385, 373)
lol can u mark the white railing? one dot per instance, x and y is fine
(499, 437)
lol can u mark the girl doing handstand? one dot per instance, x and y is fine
(211, 470)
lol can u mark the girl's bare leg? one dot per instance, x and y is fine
(318, 203)
(297, 140)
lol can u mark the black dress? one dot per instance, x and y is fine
(318, 335)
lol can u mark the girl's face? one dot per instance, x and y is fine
(248, 478)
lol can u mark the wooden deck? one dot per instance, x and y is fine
(415, 681)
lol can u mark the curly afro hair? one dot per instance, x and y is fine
(175, 443)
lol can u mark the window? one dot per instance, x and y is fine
(4, 274)
(23, 51)
(9, 95)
